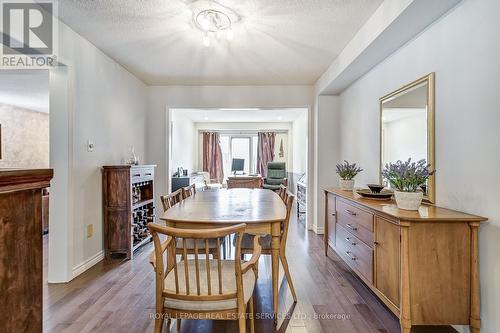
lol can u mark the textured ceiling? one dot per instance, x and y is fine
(276, 41)
(241, 115)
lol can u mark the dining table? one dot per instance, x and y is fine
(261, 210)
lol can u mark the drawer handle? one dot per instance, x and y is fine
(148, 174)
(136, 175)
(350, 212)
(351, 227)
(348, 253)
(348, 239)
(333, 214)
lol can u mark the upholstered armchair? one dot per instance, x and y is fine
(276, 176)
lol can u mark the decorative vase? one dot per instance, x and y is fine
(408, 200)
(347, 184)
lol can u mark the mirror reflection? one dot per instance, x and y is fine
(406, 126)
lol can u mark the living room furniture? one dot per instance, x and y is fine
(184, 181)
(244, 181)
(422, 264)
(21, 273)
(247, 244)
(128, 206)
(302, 198)
(199, 288)
(263, 212)
(276, 176)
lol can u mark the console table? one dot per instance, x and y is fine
(244, 181)
(422, 264)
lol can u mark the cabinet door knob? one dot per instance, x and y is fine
(376, 243)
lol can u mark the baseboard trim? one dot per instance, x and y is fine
(318, 230)
(79, 269)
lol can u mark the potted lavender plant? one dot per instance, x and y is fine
(406, 178)
(347, 172)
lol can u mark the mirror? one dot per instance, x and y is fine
(407, 127)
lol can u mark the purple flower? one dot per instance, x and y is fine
(348, 171)
(407, 176)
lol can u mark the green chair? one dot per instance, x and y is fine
(276, 176)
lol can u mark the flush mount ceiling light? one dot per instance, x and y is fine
(215, 22)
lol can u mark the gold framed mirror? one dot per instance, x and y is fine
(407, 127)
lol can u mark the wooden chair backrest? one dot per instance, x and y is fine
(199, 237)
(282, 192)
(173, 198)
(288, 198)
(188, 191)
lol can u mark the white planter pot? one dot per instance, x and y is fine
(408, 200)
(347, 184)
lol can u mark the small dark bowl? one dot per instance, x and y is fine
(375, 188)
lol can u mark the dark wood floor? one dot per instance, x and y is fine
(119, 297)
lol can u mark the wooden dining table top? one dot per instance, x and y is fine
(239, 205)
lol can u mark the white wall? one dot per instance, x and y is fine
(326, 154)
(106, 104)
(184, 143)
(463, 48)
(161, 98)
(299, 143)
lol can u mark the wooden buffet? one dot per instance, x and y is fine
(21, 270)
(422, 264)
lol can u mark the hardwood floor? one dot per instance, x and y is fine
(119, 297)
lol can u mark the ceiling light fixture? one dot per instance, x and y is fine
(215, 23)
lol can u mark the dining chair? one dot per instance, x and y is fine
(247, 242)
(173, 198)
(201, 286)
(188, 191)
(282, 191)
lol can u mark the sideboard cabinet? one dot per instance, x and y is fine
(422, 264)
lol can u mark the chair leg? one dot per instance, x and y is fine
(160, 317)
(178, 323)
(251, 315)
(242, 323)
(284, 262)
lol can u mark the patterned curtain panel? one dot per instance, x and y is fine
(265, 151)
(212, 156)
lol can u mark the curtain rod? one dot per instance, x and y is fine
(231, 131)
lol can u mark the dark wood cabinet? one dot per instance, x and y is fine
(21, 272)
(128, 206)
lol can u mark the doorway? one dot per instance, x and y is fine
(238, 136)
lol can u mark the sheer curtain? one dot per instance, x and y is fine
(212, 156)
(265, 151)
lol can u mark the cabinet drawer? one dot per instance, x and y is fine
(355, 214)
(356, 229)
(355, 252)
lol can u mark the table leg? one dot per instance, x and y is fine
(275, 245)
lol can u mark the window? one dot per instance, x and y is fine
(239, 146)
